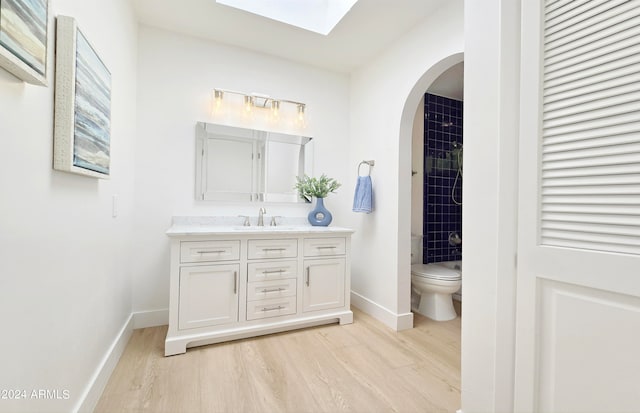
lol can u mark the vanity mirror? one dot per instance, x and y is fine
(239, 164)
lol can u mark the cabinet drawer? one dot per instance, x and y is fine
(272, 307)
(272, 248)
(316, 247)
(271, 289)
(208, 251)
(271, 270)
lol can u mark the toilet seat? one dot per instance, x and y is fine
(435, 272)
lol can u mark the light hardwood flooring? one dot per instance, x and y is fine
(361, 367)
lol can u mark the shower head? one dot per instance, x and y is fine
(456, 145)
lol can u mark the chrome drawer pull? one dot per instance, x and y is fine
(308, 275)
(280, 271)
(273, 290)
(326, 247)
(235, 282)
(274, 308)
(211, 252)
(273, 249)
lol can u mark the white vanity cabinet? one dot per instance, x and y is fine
(228, 283)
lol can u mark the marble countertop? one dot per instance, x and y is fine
(183, 226)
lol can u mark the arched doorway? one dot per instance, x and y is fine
(404, 171)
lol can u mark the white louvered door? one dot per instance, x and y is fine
(578, 300)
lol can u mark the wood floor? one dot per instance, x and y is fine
(362, 367)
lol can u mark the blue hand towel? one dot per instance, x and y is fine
(363, 197)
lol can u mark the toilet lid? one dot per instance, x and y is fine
(435, 272)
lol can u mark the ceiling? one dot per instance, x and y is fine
(367, 29)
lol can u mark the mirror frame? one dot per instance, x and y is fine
(259, 186)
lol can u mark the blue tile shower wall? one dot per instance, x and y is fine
(442, 145)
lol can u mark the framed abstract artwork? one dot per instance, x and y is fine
(82, 130)
(24, 39)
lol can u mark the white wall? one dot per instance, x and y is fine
(385, 95)
(491, 99)
(64, 261)
(177, 75)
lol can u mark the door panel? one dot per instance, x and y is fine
(578, 294)
(588, 350)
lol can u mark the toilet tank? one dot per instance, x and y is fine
(416, 249)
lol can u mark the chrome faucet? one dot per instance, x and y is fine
(261, 217)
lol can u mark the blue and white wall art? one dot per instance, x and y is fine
(24, 36)
(83, 105)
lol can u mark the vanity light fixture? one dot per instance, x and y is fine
(252, 100)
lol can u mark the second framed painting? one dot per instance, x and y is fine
(82, 132)
(24, 39)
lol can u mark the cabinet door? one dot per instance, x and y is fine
(208, 295)
(323, 284)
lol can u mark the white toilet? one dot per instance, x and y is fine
(432, 286)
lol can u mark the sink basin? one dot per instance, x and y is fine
(266, 228)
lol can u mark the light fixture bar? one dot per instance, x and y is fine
(257, 100)
(265, 100)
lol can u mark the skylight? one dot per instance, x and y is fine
(319, 16)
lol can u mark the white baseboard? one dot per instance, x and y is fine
(98, 381)
(153, 318)
(398, 322)
(101, 376)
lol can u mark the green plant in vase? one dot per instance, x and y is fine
(318, 188)
(315, 187)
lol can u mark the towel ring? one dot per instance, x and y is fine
(368, 163)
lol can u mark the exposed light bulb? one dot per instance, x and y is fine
(248, 103)
(218, 95)
(301, 112)
(275, 108)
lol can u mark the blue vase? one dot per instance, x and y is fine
(320, 216)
